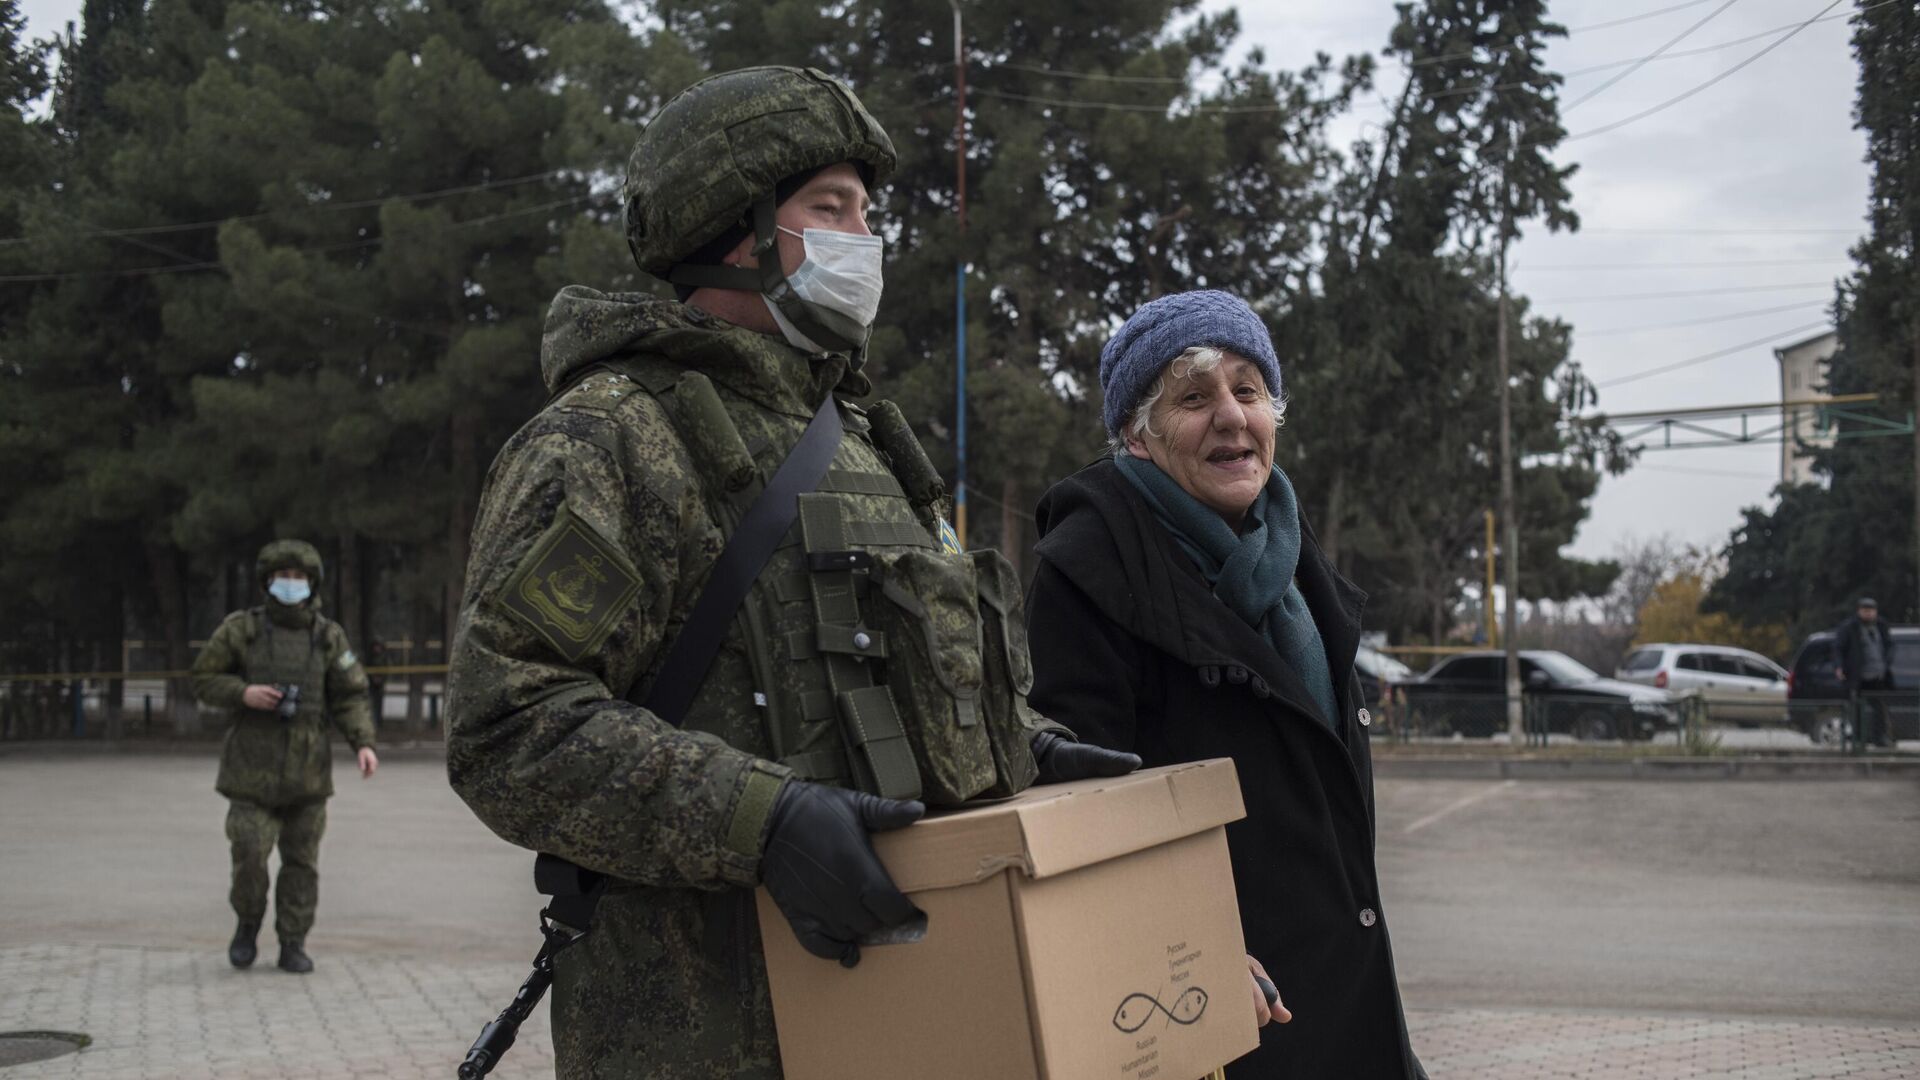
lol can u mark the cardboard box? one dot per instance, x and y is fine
(1083, 931)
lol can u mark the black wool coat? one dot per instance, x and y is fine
(1133, 651)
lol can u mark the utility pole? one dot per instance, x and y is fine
(1493, 633)
(1516, 728)
(960, 280)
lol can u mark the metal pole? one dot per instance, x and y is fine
(1515, 722)
(960, 279)
(1493, 633)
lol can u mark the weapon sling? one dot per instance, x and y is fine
(572, 890)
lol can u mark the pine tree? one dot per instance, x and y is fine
(1819, 548)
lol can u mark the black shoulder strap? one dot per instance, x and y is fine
(760, 531)
(576, 889)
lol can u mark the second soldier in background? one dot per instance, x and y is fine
(286, 674)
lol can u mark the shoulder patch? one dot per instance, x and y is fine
(950, 540)
(571, 587)
(347, 660)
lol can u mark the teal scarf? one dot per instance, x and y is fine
(1251, 572)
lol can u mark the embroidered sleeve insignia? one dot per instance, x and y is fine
(572, 587)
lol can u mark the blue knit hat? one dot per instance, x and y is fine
(1163, 329)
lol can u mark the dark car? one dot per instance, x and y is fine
(1817, 699)
(1465, 694)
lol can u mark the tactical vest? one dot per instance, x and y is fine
(266, 759)
(882, 660)
(289, 656)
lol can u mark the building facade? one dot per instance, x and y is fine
(1803, 375)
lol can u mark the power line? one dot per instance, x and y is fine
(1756, 312)
(1098, 76)
(1120, 106)
(326, 249)
(1704, 357)
(357, 204)
(1726, 291)
(1761, 230)
(1635, 18)
(1678, 98)
(1645, 60)
(1703, 50)
(1720, 264)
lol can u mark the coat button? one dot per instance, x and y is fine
(1237, 675)
(862, 640)
(1365, 718)
(1367, 917)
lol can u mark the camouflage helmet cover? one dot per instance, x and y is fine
(288, 555)
(724, 143)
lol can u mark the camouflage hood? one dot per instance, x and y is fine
(586, 326)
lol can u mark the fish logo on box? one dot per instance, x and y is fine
(1137, 1008)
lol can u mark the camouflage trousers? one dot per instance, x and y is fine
(253, 830)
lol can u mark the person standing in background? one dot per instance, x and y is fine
(1863, 661)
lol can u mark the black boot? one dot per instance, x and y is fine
(294, 958)
(241, 951)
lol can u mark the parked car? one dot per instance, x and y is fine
(1739, 686)
(1465, 694)
(1378, 673)
(1817, 699)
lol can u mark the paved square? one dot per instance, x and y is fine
(1758, 931)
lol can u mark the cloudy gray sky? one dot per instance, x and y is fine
(1769, 150)
(1762, 168)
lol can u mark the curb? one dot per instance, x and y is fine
(1655, 768)
(404, 750)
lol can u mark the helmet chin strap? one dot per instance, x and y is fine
(830, 329)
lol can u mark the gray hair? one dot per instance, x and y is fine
(1196, 360)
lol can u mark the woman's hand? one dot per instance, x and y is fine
(260, 696)
(1264, 1010)
(369, 761)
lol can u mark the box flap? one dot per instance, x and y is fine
(1060, 827)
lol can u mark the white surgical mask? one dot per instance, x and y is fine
(289, 591)
(840, 272)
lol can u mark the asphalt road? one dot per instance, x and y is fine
(1790, 898)
(1796, 899)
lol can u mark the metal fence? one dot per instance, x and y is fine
(1880, 720)
(1428, 716)
(407, 702)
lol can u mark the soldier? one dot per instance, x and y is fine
(599, 528)
(286, 673)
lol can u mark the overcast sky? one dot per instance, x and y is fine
(1763, 167)
(1769, 149)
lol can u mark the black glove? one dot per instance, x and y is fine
(820, 868)
(1061, 759)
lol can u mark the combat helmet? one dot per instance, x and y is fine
(710, 162)
(289, 555)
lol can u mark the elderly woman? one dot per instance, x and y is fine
(1182, 610)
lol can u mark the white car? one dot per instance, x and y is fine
(1740, 686)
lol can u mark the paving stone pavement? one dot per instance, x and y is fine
(170, 1013)
(1517, 1045)
(159, 1014)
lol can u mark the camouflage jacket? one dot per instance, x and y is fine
(268, 760)
(595, 534)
